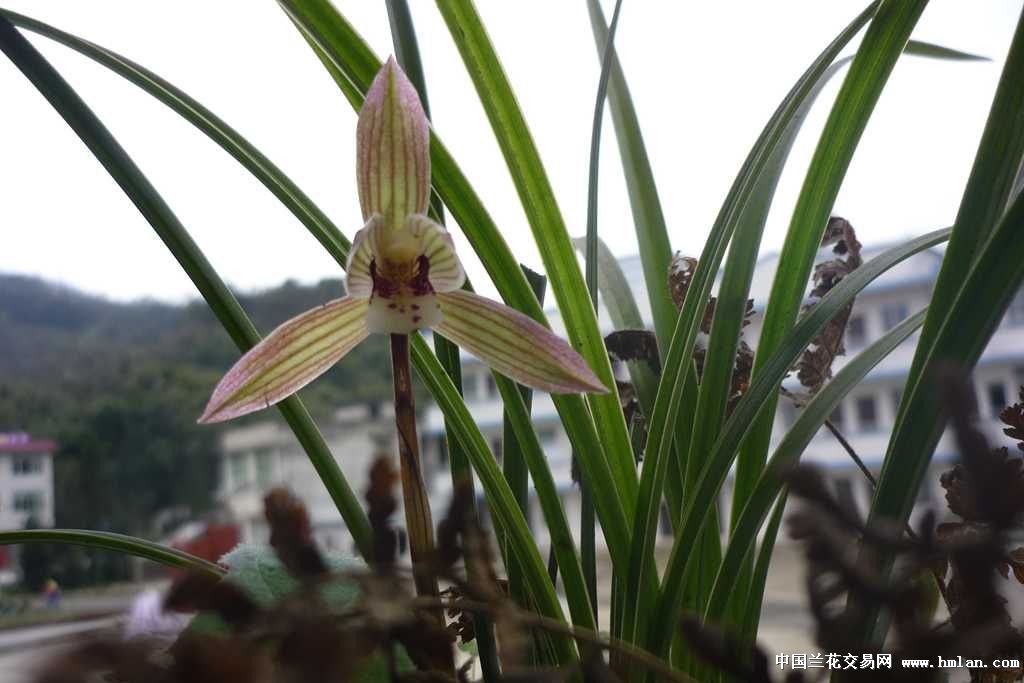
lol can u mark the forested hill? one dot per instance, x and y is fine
(120, 385)
(58, 340)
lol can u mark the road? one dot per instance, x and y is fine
(23, 650)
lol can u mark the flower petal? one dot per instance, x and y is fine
(358, 281)
(393, 148)
(515, 345)
(289, 358)
(436, 244)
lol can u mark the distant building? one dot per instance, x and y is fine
(260, 456)
(26, 480)
(26, 491)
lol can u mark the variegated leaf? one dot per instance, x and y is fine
(514, 344)
(289, 358)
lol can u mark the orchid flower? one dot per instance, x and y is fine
(403, 275)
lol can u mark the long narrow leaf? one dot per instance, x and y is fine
(788, 452)
(174, 235)
(678, 356)
(549, 233)
(946, 335)
(587, 521)
(753, 403)
(648, 217)
(118, 543)
(874, 61)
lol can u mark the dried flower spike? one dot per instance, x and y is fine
(403, 275)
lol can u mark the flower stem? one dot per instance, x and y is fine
(418, 522)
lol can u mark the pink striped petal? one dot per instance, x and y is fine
(515, 345)
(289, 358)
(358, 281)
(436, 244)
(393, 149)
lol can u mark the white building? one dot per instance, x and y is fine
(258, 457)
(26, 480)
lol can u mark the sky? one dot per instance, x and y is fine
(704, 77)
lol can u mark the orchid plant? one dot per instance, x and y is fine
(403, 275)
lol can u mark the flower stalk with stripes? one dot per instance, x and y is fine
(403, 275)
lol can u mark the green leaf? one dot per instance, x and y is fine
(118, 543)
(549, 233)
(755, 596)
(678, 357)
(755, 509)
(874, 61)
(920, 48)
(754, 402)
(648, 218)
(562, 543)
(174, 235)
(587, 521)
(957, 328)
(727, 326)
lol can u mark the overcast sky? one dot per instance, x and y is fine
(705, 77)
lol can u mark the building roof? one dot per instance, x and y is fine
(23, 442)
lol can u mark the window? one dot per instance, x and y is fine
(492, 387)
(442, 451)
(996, 394)
(496, 448)
(894, 314)
(264, 467)
(469, 386)
(1015, 313)
(27, 465)
(856, 331)
(548, 435)
(867, 413)
(28, 502)
(239, 465)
